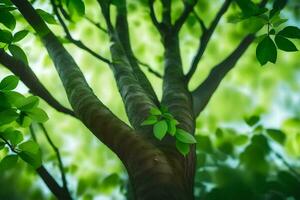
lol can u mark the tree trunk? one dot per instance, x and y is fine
(159, 172)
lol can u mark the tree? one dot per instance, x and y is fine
(158, 147)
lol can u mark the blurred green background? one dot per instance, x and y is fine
(270, 93)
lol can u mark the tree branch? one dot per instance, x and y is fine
(188, 8)
(54, 187)
(127, 81)
(122, 30)
(201, 22)
(69, 37)
(51, 183)
(157, 24)
(29, 78)
(205, 38)
(203, 93)
(89, 109)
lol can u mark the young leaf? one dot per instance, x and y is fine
(13, 136)
(172, 126)
(276, 135)
(20, 35)
(76, 8)
(9, 83)
(285, 44)
(30, 153)
(240, 140)
(253, 120)
(150, 120)
(2, 145)
(24, 121)
(160, 129)
(18, 53)
(7, 19)
(47, 17)
(8, 162)
(266, 51)
(7, 116)
(290, 32)
(5, 36)
(155, 111)
(13, 97)
(37, 115)
(183, 148)
(28, 103)
(185, 137)
(204, 143)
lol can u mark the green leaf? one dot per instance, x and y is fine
(168, 116)
(160, 129)
(7, 8)
(172, 126)
(285, 44)
(266, 51)
(279, 4)
(204, 143)
(7, 19)
(183, 148)
(9, 83)
(290, 32)
(150, 121)
(76, 8)
(5, 36)
(4, 102)
(272, 32)
(8, 162)
(240, 140)
(219, 133)
(24, 120)
(253, 120)
(6, 2)
(185, 137)
(7, 116)
(277, 135)
(20, 35)
(155, 111)
(47, 17)
(14, 97)
(248, 7)
(201, 159)
(110, 182)
(37, 115)
(30, 153)
(226, 147)
(18, 53)
(2, 145)
(13, 136)
(28, 103)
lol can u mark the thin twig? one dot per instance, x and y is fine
(98, 25)
(149, 68)
(188, 8)
(205, 38)
(157, 24)
(78, 43)
(201, 22)
(56, 150)
(290, 167)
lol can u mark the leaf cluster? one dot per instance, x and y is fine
(18, 111)
(164, 123)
